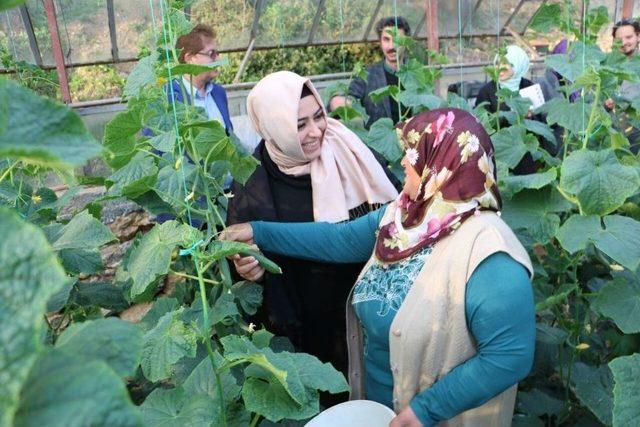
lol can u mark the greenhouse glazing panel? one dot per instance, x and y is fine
(488, 17)
(41, 30)
(411, 10)
(523, 17)
(84, 30)
(134, 25)
(344, 20)
(232, 20)
(285, 22)
(13, 37)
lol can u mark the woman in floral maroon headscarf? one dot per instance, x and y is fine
(441, 320)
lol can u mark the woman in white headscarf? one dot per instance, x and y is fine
(512, 78)
(312, 168)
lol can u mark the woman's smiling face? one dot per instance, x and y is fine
(311, 126)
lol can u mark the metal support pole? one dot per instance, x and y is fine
(316, 21)
(111, 13)
(433, 41)
(431, 12)
(56, 46)
(33, 42)
(245, 61)
(372, 20)
(627, 9)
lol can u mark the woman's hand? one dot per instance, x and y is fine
(248, 268)
(406, 418)
(238, 233)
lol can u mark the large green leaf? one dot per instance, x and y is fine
(383, 138)
(594, 387)
(540, 128)
(213, 144)
(160, 307)
(116, 342)
(152, 256)
(534, 212)
(271, 400)
(103, 294)
(83, 232)
(598, 180)
(571, 116)
(620, 300)
(39, 130)
(547, 18)
(515, 183)
(173, 183)
(135, 178)
(617, 239)
(29, 275)
(142, 75)
(192, 69)
(282, 385)
(66, 390)
(249, 295)
(537, 402)
(86, 261)
(120, 137)
(578, 231)
(420, 99)
(202, 380)
(165, 344)
(509, 144)
(174, 408)
(626, 391)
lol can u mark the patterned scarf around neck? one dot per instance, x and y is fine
(453, 155)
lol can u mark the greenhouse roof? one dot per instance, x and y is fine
(112, 31)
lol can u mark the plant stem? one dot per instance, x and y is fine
(188, 276)
(255, 419)
(8, 171)
(207, 342)
(592, 116)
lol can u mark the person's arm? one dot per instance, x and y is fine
(358, 88)
(345, 242)
(501, 316)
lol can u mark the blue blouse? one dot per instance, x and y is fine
(499, 310)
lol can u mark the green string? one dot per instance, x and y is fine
(584, 52)
(166, 27)
(342, 52)
(460, 58)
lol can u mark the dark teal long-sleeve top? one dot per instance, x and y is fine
(499, 310)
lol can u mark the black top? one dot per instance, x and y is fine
(488, 94)
(306, 303)
(392, 80)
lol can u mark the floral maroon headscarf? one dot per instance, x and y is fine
(453, 155)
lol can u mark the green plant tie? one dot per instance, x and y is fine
(189, 250)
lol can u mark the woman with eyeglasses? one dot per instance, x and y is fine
(312, 168)
(441, 322)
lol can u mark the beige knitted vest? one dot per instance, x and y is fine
(429, 334)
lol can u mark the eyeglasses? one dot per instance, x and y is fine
(213, 53)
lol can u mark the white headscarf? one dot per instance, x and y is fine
(344, 176)
(519, 62)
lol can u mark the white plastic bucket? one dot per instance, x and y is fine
(354, 413)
